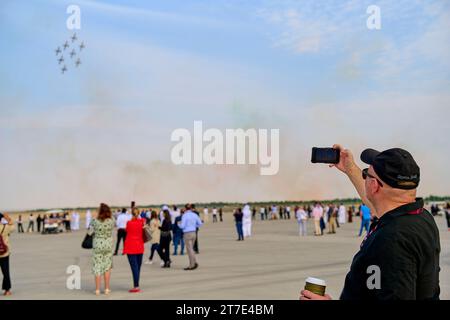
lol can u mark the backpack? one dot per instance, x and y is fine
(3, 246)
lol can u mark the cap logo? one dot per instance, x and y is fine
(407, 177)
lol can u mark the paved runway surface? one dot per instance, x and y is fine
(272, 264)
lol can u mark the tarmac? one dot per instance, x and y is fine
(272, 264)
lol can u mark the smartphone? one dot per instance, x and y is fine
(325, 155)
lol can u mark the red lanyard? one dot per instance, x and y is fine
(368, 234)
(414, 212)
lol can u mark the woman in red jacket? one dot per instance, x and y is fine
(134, 247)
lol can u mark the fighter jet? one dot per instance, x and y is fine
(82, 46)
(61, 60)
(72, 53)
(64, 69)
(66, 45)
(74, 37)
(78, 62)
(58, 51)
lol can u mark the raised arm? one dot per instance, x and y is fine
(348, 166)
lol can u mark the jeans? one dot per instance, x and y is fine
(365, 223)
(177, 240)
(240, 231)
(4, 264)
(262, 216)
(135, 261)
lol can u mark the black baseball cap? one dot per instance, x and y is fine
(396, 167)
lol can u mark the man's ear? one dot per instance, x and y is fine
(376, 186)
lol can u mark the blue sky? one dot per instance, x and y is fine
(310, 68)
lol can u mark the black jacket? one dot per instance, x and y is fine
(404, 245)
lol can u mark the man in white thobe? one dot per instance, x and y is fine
(72, 221)
(247, 221)
(341, 214)
(76, 223)
(88, 218)
(205, 214)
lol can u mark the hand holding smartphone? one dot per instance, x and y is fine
(325, 155)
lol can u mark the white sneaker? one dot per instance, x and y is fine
(148, 262)
(162, 263)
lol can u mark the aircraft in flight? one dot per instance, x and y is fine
(74, 37)
(58, 51)
(61, 60)
(82, 46)
(64, 69)
(66, 45)
(72, 53)
(78, 62)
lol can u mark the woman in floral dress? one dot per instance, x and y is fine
(102, 229)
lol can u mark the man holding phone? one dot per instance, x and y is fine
(403, 245)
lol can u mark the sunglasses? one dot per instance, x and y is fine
(365, 174)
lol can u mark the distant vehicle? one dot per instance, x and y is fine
(53, 225)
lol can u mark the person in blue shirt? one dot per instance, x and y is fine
(178, 235)
(190, 222)
(365, 219)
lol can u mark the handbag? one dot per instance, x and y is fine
(147, 233)
(3, 246)
(88, 241)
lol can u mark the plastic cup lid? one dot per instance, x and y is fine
(316, 281)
